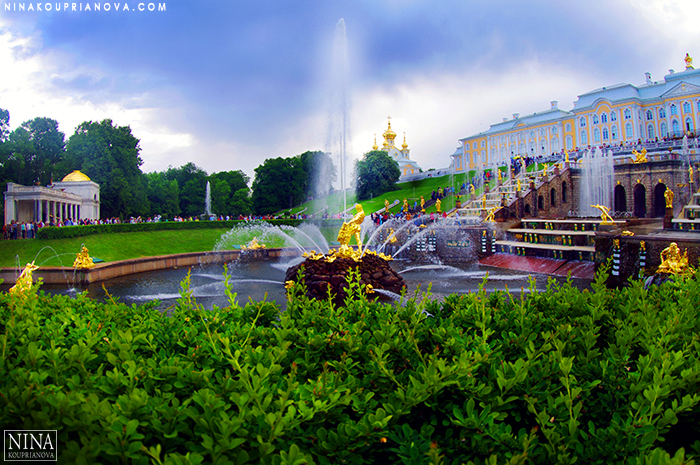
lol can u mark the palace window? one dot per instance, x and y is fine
(699, 105)
(555, 144)
(543, 146)
(543, 132)
(532, 134)
(483, 144)
(613, 131)
(628, 131)
(595, 119)
(689, 125)
(605, 133)
(650, 132)
(674, 109)
(662, 112)
(512, 137)
(613, 116)
(569, 143)
(676, 128)
(568, 125)
(582, 122)
(664, 130)
(584, 137)
(686, 107)
(554, 130)
(466, 146)
(650, 115)
(596, 135)
(604, 118)
(628, 113)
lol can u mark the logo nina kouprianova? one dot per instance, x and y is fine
(30, 445)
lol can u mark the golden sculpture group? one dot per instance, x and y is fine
(640, 157)
(604, 214)
(83, 261)
(24, 282)
(253, 245)
(673, 262)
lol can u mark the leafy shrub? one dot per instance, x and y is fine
(53, 232)
(559, 376)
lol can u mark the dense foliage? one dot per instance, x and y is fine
(554, 376)
(377, 173)
(286, 182)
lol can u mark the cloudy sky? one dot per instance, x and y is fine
(227, 84)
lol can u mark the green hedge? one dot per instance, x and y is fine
(52, 232)
(555, 376)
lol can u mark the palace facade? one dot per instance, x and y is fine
(615, 115)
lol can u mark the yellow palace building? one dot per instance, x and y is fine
(621, 114)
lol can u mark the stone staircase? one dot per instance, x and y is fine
(689, 217)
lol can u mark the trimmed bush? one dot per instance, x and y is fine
(53, 232)
(558, 376)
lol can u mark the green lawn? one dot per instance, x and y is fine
(109, 247)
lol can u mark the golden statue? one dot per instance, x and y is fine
(422, 204)
(668, 195)
(627, 233)
(500, 175)
(386, 205)
(483, 202)
(471, 189)
(604, 214)
(520, 187)
(566, 155)
(83, 260)
(253, 245)
(690, 173)
(688, 62)
(392, 237)
(544, 170)
(437, 205)
(490, 217)
(405, 205)
(673, 262)
(640, 157)
(349, 229)
(24, 282)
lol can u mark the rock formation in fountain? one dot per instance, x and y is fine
(328, 273)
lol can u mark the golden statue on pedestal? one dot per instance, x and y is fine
(520, 187)
(604, 214)
(471, 189)
(688, 62)
(83, 260)
(640, 157)
(405, 205)
(438, 203)
(668, 195)
(422, 204)
(24, 282)
(392, 237)
(386, 205)
(673, 262)
(349, 229)
(500, 175)
(483, 202)
(566, 156)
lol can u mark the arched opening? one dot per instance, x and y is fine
(620, 199)
(553, 197)
(659, 200)
(540, 202)
(563, 192)
(640, 201)
(528, 212)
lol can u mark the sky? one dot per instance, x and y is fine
(228, 84)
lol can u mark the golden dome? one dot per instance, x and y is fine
(389, 134)
(405, 145)
(75, 176)
(374, 147)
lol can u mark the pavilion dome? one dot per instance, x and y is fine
(75, 176)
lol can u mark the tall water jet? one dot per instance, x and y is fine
(597, 175)
(338, 134)
(207, 200)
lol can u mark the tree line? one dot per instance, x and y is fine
(37, 152)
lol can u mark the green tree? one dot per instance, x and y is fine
(376, 173)
(109, 155)
(163, 195)
(192, 183)
(237, 201)
(279, 183)
(48, 148)
(319, 173)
